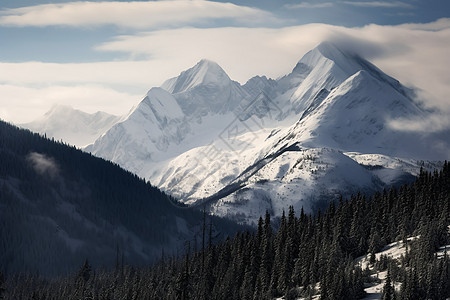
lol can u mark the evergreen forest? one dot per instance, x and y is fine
(60, 206)
(306, 256)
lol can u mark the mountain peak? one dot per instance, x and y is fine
(208, 63)
(329, 50)
(329, 65)
(205, 72)
(58, 109)
(327, 53)
(64, 110)
(74, 126)
(324, 61)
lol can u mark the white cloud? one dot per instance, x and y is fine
(21, 104)
(133, 73)
(440, 24)
(309, 5)
(416, 57)
(435, 123)
(242, 52)
(414, 54)
(386, 4)
(136, 14)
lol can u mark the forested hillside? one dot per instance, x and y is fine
(305, 256)
(60, 206)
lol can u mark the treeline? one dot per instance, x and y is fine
(306, 255)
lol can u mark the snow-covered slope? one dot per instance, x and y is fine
(395, 251)
(71, 125)
(149, 129)
(354, 116)
(299, 140)
(306, 178)
(175, 118)
(205, 89)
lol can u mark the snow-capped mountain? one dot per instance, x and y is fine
(354, 116)
(170, 120)
(320, 131)
(204, 89)
(73, 126)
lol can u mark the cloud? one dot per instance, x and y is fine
(385, 4)
(415, 54)
(136, 14)
(416, 57)
(351, 43)
(43, 165)
(21, 104)
(232, 47)
(433, 123)
(133, 73)
(308, 5)
(440, 24)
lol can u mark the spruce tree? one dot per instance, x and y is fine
(85, 271)
(267, 257)
(388, 289)
(2, 282)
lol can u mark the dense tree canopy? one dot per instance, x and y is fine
(305, 255)
(60, 206)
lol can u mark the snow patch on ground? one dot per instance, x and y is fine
(394, 250)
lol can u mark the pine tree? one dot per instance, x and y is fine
(284, 280)
(374, 244)
(85, 271)
(246, 290)
(183, 280)
(2, 282)
(253, 265)
(388, 289)
(267, 257)
(277, 288)
(251, 271)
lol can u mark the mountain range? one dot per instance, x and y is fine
(318, 133)
(71, 125)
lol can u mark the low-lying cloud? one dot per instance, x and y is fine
(43, 165)
(368, 49)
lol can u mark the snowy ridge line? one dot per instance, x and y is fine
(210, 141)
(71, 125)
(240, 181)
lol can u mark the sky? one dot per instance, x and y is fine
(105, 55)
